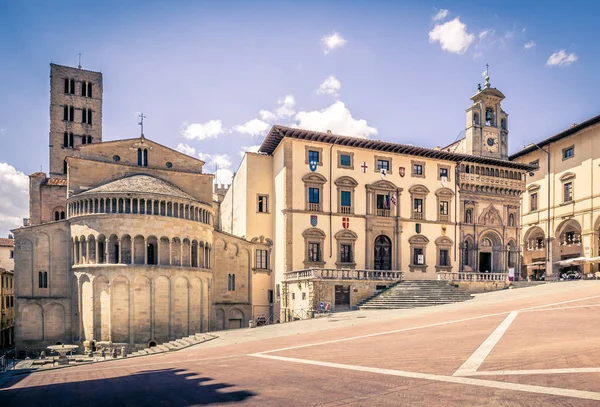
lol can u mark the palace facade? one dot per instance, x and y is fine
(561, 209)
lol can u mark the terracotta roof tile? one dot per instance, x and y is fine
(4, 242)
(56, 181)
(140, 184)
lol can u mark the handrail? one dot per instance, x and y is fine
(466, 276)
(343, 274)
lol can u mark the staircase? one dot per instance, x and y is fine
(176, 344)
(412, 294)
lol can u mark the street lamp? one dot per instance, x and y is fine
(548, 252)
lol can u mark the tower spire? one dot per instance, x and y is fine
(141, 123)
(486, 75)
(79, 65)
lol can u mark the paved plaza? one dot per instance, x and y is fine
(537, 346)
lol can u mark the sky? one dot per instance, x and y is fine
(212, 77)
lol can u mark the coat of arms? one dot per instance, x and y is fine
(346, 223)
(313, 220)
(402, 171)
(382, 173)
(313, 165)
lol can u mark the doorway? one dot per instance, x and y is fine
(485, 262)
(383, 253)
(342, 297)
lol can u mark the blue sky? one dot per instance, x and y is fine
(221, 72)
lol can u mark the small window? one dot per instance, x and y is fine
(262, 259)
(313, 156)
(89, 116)
(345, 253)
(568, 152)
(12, 254)
(66, 113)
(534, 201)
(383, 201)
(263, 204)
(568, 191)
(418, 205)
(169, 164)
(418, 169)
(444, 257)
(83, 88)
(72, 87)
(71, 114)
(444, 208)
(139, 157)
(145, 157)
(89, 90)
(345, 160)
(65, 167)
(383, 164)
(443, 172)
(84, 115)
(346, 198)
(89, 139)
(313, 195)
(314, 252)
(535, 163)
(418, 257)
(116, 158)
(231, 282)
(66, 85)
(304, 296)
(293, 296)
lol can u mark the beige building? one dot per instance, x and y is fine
(7, 253)
(561, 209)
(121, 245)
(7, 309)
(344, 216)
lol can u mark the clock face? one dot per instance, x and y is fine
(491, 141)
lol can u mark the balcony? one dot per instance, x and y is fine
(314, 207)
(474, 277)
(383, 212)
(345, 209)
(344, 274)
(489, 181)
(444, 218)
(417, 215)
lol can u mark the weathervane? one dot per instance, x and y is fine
(79, 66)
(486, 75)
(141, 123)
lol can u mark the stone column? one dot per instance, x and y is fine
(190, 262)
(181, 253)
(132, 258)
(158, 244)
(119, 255)
(106, 244)
(97, 251)
(145, 251)
(81, 258)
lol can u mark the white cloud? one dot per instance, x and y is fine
(223, 176)
(336, 118)
(332, 41)
(202, 131)
(529, 45)
(284, 110)
(249, 149)
(267, 115)
(220, 164)
(452, 36)
(221, 160)
(330, 86)
(14, 205)
(440, 15)
(485, 33)
(254, 127)
(561, 58)
(186, 149)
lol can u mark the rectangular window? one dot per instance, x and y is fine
(383, 164)
(444, 258)
(568, 191)
(304, 296)
(314, 252)
(383, 201)
(313, 195)
(270, 296)
(12, 254)
(535, 162)
(89, 121)
(263, 204)
(418, 169)
(443, 172)
(418, 205)
(231, 282)
(89, 90)
(83, 115)
(444, 208)
(345, 253)
(262, 259)
(345, 160)
(418, 257)
(346, 198)
(534, 201)
(313, 156)
(568, 152)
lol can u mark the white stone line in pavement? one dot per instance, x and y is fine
(559, 303)
(476, 359)
(351, 338)
(561, 308)
(554, 391)
(536, 371)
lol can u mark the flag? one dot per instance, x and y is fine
(394, 198)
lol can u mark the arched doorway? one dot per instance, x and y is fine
(490, 248)
(383, 253)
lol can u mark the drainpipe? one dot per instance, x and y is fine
(330, 198)
(456, 174)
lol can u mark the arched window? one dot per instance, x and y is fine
(89, 90)
(72, 90)
(89, 139)
(66, 85)
(466, 253)
(56, 216)
(65, 167)
(84, 115)
(66, 139)
(71, 114)
(66, 113)
(83, 88)
(62, 215)
(145, 158)
(89, 116)
(476, 118)
(140, 157)
(489, 117)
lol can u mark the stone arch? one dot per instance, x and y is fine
(120, 304)
(176, 251)
(418, 189)
(534, 232)
(468, 250)
(139, 249)
(235, 318)
(164, 251)
(86, 290)
(444, 192)
(346, 234)
(141, 305)
(152, 253)
(32, 323)
(180, 296)
(490, 216)
(186, 247)
(566, 226)
(54, 322)
(314, 178)
(162, 308)
(443, 240)
(126, 249)
(314, 232)
(101, 308)
(346, 181)
(113, 249)
(384, 184)
(418, 239)
(495, 240)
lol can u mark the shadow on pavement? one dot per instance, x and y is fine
(166, 387)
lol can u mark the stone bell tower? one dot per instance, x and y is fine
(487, 123)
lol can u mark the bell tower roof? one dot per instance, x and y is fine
(488, 92)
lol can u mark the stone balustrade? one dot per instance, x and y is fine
(474, 277)
(344, 274)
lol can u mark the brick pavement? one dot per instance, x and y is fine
(360, 363)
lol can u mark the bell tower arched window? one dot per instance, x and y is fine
(489, 117)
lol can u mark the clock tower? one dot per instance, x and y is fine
(487, 123)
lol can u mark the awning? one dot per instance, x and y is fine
(577, 261)
(536, 264)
